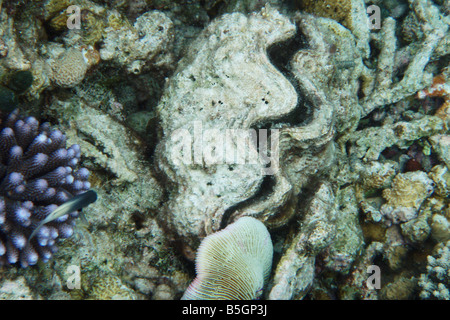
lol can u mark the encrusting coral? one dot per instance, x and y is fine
(406, 195)
(134, 46)
(233, 263)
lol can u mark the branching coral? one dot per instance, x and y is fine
(38, 174)
(383, 89)
(435, 283)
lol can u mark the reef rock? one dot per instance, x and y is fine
(295, 271)
(134, 46)
(232, 145)
(223, 83)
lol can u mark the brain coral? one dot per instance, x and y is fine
(37, 174)
(69, 69)
(233, 263)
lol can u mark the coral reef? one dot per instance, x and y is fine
(38, 174)
(233, 263)
(123, 239)
(323, 123)
(339, 90)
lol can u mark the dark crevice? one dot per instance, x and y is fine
(264, 192)
(371, 120)
(280, 55)
(139, 219)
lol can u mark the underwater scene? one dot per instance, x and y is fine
(224, 150)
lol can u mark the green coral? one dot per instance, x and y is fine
(110, 287)
(20, 81)
(7, 99)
